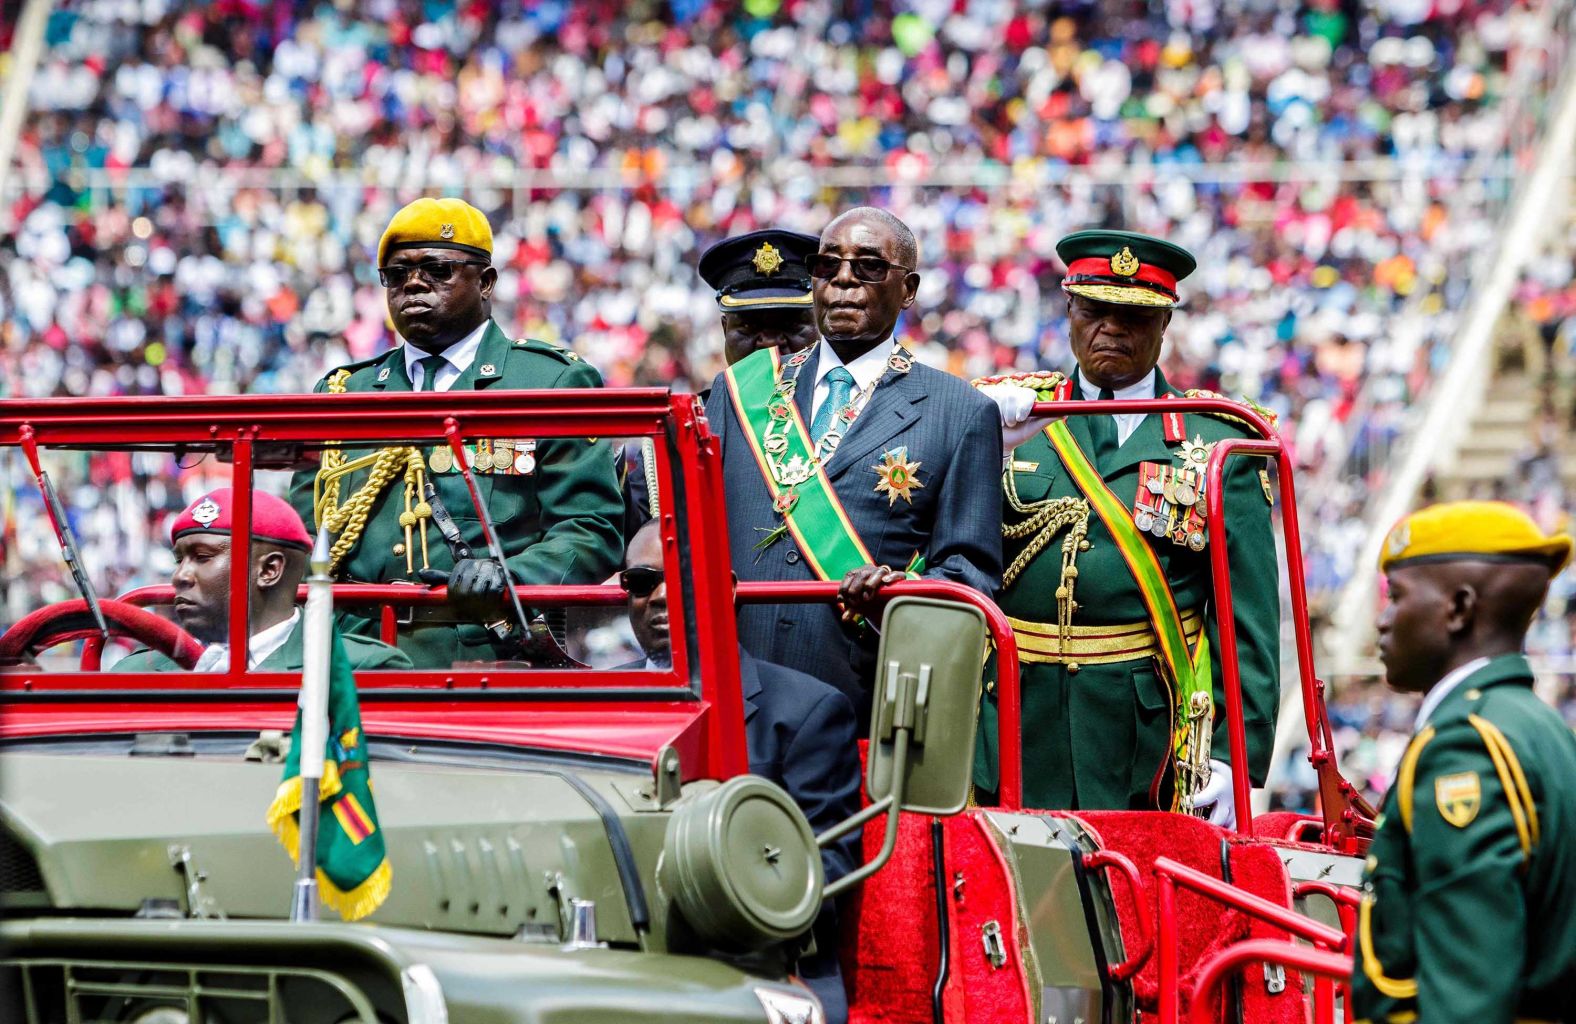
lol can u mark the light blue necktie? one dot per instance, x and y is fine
(841, 387)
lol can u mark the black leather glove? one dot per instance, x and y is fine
(476, 587)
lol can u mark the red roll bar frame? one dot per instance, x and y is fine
(1318, 962)
(1169, 875)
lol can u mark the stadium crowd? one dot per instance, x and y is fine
(202, 186)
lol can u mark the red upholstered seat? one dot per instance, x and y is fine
(1287, 826)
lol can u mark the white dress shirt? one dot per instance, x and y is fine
(457, 358)
(216, 657)
(1127, 422)
(1443, 688)
(867, 369)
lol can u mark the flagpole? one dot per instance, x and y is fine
(318, 624)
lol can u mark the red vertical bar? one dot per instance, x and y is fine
(1166, 945)
(240, 629)
(1226, 622)
(388, 626)
(1009, 717)
(716, 623)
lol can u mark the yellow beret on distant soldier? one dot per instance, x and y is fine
(1475, 531)
(437, 224)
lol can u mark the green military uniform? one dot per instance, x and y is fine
(1469, 907)
(364, 654)
(1099, 737)
(1109, 636)
(555, 502)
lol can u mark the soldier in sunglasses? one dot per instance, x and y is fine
(800, 735)
(849, 461)
(555, 501)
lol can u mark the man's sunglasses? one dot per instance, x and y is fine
(435, 271)
(640, 580)
(869, 269)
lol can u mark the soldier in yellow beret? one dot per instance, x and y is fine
(1469, 897)
(555, 501)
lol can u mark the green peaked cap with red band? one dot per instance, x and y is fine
(1124, 267)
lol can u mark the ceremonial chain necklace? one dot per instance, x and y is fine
(789, 473)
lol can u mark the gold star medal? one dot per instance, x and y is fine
(767, 259)
(898, 477)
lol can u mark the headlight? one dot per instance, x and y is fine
(789, 1007)
(742, 866)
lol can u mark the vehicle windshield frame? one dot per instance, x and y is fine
(703, 676)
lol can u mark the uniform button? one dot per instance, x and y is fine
(399, 549)
(792, 557)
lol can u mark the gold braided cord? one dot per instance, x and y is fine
(1045, 520)
(349, 520)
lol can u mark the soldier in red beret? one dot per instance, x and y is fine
(280, 547)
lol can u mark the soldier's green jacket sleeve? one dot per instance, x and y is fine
(582, 508)
(1255, 595)
(1444, 931)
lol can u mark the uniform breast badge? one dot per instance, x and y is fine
(525, 457)
(1170, 503)
(896, 476)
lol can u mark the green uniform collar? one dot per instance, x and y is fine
(486, 368)
(1507, 669)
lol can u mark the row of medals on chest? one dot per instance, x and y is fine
(489, 456)
(1170, 500)
(796, 469)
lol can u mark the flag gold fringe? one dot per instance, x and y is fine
(352, 905)
(364, 898)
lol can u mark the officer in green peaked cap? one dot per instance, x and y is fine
(1109, 583)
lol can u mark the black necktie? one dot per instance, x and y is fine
(1102, 430)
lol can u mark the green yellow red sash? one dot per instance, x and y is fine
(800, 490)
(1189, 670)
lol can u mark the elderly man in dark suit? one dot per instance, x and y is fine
(848, 461)
(800, 735)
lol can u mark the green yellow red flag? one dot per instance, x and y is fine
(353, 873)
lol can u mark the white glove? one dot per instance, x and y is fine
(1012, 437)
(1217, 796)
(1015, 404)
(1013, 401)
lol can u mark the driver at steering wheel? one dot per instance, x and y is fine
(280, 548)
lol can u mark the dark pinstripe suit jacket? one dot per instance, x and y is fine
(954, 521)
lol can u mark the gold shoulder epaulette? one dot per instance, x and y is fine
(337, 379)
(1246, 402)
(1039, 380)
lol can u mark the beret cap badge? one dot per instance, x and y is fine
(1125, 263)
(206, 512)
(446, 232)
(767, 259)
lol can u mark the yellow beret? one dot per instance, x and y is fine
(1477, 531)
(437, 224)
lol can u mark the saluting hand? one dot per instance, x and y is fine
(860, 593)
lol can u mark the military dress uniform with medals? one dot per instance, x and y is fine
(554, 501)
(1469, 894)
(1108, 580)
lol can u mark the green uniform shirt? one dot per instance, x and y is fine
(556, 505)
(1469, 909)
(364, 653)
(1097, 738)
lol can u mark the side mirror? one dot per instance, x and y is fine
(922, 727)
(928, 678)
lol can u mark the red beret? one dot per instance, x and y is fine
(273, 519)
